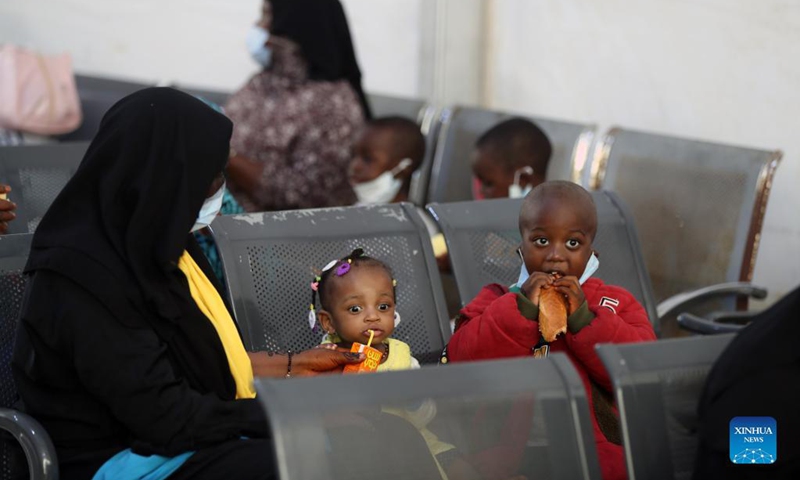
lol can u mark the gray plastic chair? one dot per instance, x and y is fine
(386, 105)
(699, 207)
(269, 259)
(483, 236)
(336, 427)
(29, 434)
(97, 95)
(451, 174)
(36, 175)
(430, 125)
(657, 386)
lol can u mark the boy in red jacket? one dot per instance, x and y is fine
(558, 221)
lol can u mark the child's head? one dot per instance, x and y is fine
(357, 294)
(515, 151)
(385, 155)
(558, 222)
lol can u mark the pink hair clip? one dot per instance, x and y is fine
(314, 286)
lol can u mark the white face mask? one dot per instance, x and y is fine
(209, 210)
(384, 188)
(516, 190)
(591, 266)
(256, 44)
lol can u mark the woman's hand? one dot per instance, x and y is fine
(304, 364)
(323, 360)
(7, 208)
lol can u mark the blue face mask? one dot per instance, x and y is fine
(256, 44)
(209, 210)
(591, 266)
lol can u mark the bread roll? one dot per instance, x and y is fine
(552, 313)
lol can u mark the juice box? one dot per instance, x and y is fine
(370, 364)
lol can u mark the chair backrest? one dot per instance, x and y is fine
(97, 95)
(483, 236)
(386, 105)
(657, 386)
(699, 206)
(269, 261)
(26, 450)
(13, 256)
(451, 175)
(420, 180)
(522, 416)
(36, 175)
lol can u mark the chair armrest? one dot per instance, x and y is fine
(697, 324)
(731, 318)
(680, 300)
(35, 442)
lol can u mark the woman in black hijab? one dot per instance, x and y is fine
(113, 353)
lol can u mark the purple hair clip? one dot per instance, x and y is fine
(343, 268)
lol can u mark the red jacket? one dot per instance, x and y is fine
(494, 325)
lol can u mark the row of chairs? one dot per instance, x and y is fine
(699, 206)
(36, 174)
(534, 415)
(528, 415)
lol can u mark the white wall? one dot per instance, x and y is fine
(720, 70)
(201, 42)
(459, 42)
(388, 35)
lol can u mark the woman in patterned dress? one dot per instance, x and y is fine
(295, 121)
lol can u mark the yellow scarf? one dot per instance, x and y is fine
(210, 303)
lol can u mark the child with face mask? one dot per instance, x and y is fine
(386, 153)
(510, 159)
(558, 222)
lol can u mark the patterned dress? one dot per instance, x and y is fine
(300, 130)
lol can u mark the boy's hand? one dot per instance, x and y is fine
(532, 287)
(571, 289)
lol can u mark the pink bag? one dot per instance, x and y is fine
(37, 92)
